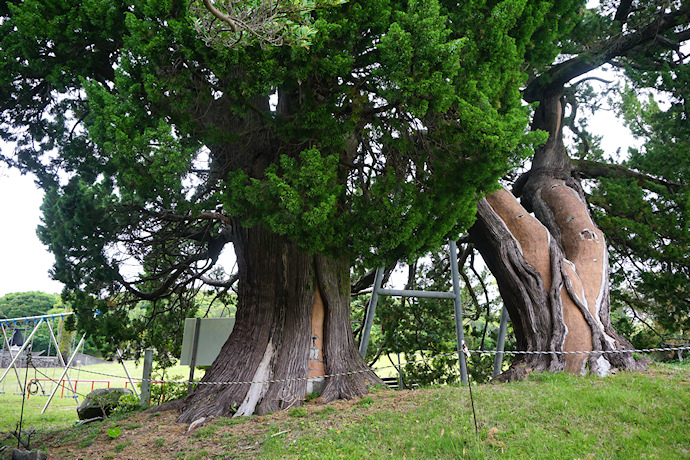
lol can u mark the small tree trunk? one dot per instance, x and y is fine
(271, 342)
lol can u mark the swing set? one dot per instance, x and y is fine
(17, 353)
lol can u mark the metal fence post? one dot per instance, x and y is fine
(457, 303)
(500, 342)
(371, 310)
(192, 362)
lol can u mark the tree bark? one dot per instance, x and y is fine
(552, 265)
(271, 341)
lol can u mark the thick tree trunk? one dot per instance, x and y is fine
(283, 296)
(552, 266)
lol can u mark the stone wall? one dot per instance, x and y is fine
(49, 361)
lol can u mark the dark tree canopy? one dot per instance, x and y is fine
(381, 134)
(372, 140)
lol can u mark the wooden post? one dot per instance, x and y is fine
(146, 378)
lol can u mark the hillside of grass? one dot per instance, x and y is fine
(629, 415)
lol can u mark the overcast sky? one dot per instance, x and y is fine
(24, 261)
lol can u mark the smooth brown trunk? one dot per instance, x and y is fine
(551, 263)
(271, 342)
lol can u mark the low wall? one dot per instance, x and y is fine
(49, 361)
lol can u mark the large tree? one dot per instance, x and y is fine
(369, 142)
(550, 257)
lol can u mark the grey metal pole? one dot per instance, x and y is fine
(146, 378)
(58, 353)
(192, 360)
(420, 294)
(27, 342)
(129, 377)
(500, 342)
(62, 377)
(457, 302)
(9, 351)
(371, 310)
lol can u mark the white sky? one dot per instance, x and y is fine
(24, 261)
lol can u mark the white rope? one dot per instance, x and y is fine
(362, 371)
(593, 352)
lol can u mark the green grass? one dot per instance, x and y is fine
(548, 416)
(626, 416)
(62, 412)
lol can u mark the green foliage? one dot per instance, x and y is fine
(301, 202)
(366, 401)
(122, 446)
(216, 305)
(162, 392)
(33, 303)
(127, 403)
(388, 127)
(298, 412)
(114, 432)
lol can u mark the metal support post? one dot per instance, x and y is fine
(371, 310)
(58, 353)
(500, 342)
(27, 341)
(9, 351)
(129, 377)
(62, 377)
(457, 303)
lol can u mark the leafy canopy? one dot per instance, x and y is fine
(375, 141)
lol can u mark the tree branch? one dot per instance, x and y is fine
(226, 283)
(554, 80)
(623, 11)
(594, 170)
(220, 15)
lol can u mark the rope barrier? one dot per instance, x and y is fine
(593, 352)
(340, 374)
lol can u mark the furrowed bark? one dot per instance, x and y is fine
(530, 301)
(271, 342)
(340, 350)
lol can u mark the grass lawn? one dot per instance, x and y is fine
(61, 411)
(626, 416)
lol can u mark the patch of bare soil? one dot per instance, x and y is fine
(158, 435)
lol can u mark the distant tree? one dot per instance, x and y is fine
(31, 303)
